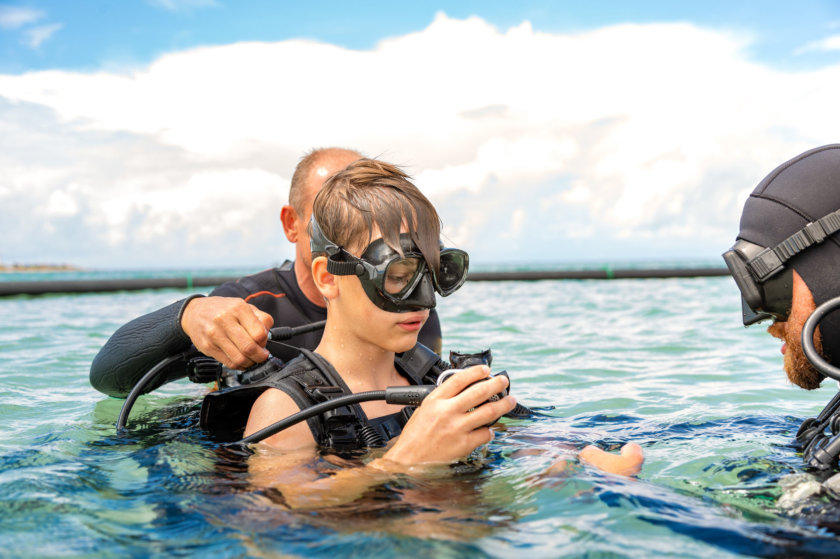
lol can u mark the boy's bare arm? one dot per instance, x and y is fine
(272, 406)
(449, 425)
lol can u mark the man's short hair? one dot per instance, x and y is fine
(369, 193)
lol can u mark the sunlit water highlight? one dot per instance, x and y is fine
(664, 363)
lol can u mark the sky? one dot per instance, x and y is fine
(163, 133)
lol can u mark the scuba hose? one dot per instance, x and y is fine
(808, 347)
(141, 384)
(199, 376)
(202, 369)
(401, 395)
(821, 450)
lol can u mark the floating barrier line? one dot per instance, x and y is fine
(606, 273)
(11, 288)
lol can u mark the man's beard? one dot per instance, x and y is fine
(799, 370)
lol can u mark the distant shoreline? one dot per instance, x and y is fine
(11, 268)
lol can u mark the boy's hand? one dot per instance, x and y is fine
(228, 329)
(452, 421)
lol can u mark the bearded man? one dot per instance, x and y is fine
(786, 262)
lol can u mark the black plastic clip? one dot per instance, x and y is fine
(823, 453)
(202, 370)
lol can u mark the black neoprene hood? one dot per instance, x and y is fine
(797, 192)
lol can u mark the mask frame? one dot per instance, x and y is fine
(375, 263)
(765, 283)
(760, 301)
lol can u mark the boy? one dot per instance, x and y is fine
(377, 262)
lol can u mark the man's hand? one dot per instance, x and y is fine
(628, 463)
(228, 329)
(452, 420)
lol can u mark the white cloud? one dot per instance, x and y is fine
(36, 36)
(652, 132)
(61, 203)
(828, 44)
(12, 17)
(517, 220)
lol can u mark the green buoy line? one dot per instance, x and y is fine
(190, 282)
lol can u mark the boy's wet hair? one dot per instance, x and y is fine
(369, 193)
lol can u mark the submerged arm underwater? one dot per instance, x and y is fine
(424, 453)
(292, 474)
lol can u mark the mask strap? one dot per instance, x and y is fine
(344, 268)
(770, 261)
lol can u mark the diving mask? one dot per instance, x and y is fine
(761, 299)
(394, 282)
(765, 282)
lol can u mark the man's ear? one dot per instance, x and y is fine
(324, 281)
(289, 218)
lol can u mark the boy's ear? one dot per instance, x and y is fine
(324, 281)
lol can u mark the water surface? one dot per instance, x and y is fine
(664, 363)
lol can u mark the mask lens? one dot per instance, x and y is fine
(453, 270)
(400, 276)
(778, 295)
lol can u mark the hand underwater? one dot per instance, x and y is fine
(228, 329)
(628, 463)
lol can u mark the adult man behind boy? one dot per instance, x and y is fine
(231, 325)
(378, 262)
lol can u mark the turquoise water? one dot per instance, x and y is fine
(664, 363)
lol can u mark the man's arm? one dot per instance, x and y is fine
(138, 346)
(227, 329)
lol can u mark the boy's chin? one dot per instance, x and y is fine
(403, 345)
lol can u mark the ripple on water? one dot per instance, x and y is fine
(665, 363)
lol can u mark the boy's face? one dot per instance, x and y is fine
(390, 331)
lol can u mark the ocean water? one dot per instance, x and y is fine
(662, 362)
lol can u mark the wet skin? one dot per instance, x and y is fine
(799, 370)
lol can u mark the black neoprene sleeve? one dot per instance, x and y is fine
(138, 346)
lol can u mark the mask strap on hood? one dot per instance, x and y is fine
(770, 261)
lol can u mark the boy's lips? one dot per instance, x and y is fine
(412, 323)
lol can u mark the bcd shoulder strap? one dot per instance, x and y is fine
(310, 379)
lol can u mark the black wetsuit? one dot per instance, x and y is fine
(139, 345)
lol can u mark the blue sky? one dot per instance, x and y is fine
(88, 35)
(139, 133)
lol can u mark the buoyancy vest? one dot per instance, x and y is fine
(309, 379)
